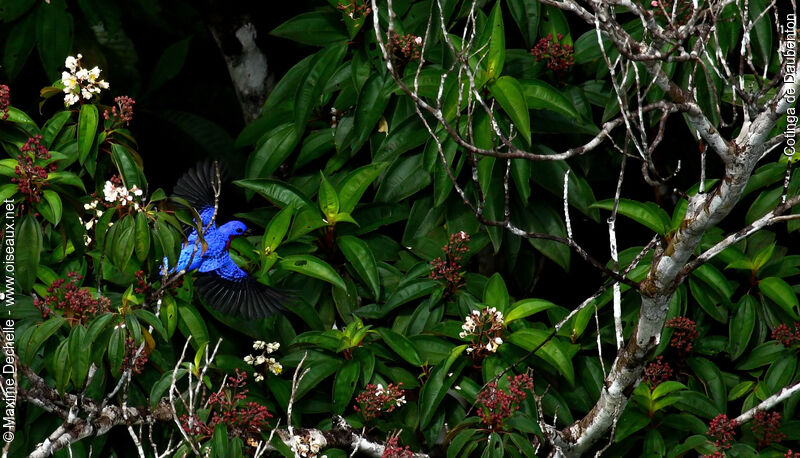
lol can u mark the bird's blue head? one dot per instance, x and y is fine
(233, 229)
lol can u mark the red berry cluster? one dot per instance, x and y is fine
(5, 101)
(404, 49)
(128, 362)
(495, 405)
(559, 56)
(142, 287)
(788, 337)
(791, 454)
(722, 430)
(355, 9)
(78, 305)
(393, 450)
(657, 372)
(31, 178)
(243, 420)
(765, 427)
(125, 113)
(684, 335)
(376, 400)
(449, 268)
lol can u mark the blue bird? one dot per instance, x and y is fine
(221, 283)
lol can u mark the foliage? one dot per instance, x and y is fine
(393, 279)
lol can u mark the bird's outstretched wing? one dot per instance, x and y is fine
(197, 187)
(232, 291)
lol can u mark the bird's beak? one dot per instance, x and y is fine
(247, 232)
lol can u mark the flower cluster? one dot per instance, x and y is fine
(496, 405)
(393, 449)
(791, 454)
(5, 101)
(722, 430)
(559, 56)
(684, 335)
(657, 372)
(405, 48)
(243, 420)
(133, 359)
(31, 178)
(355, 9)
(79, 82)
(76, 304)
(270, 363)
(306, 445)
(124, 115)
(376, 400)
(449, 268)
(765, 427)
(115, 192)
(485, 328)
(788, 337)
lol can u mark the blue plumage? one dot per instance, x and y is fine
(221, 283)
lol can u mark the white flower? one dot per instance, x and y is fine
(82, 74)
(110, 192)
(462, 334)
(71, 99)
(249, 359)
(259, 377)
(259, 344)
(136, 191)
(273, 347)
(86, 93)
(379, 389)
(498, 341)
(102, 84)
(86, 206)
(68, 80)
(94, 74)
(89, 224)
(99, 213)
(457, 387)
(418, 40)
(72, 62)
(260, 359)
(476, 313)
(401, 400)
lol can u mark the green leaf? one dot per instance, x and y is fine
(328, 200)
(543, 219)
(494, 448)
(712, 379)
(116, 350)
(405, 177)
(401, 345)
(122, 244)
(170, 63)
(355, 183)
(79, 352)
(645, 213)
(542, 96)
(63, 369)
(496, 294)
(163, 384)
(273, 151)
(526, 15)
(781, 293)
(129, 169)
(326, 26)
(496, 56)
(526, 308)
(313, 267)
(29, 248)
(20, 40)
(665, 388)
(629, 422)
(369, 108)
(434, 390)
(142, 237)
(53, 126)
(344, 385)
(279, 193)
(54, 35)
(741, 326)
(87, 130)
(193, 325)
(41, 332)
(360, 256)
(310, 91)
(529, 339)
(52, 208)
(762, 355)
(510, 95)
(458, 443)
(402, 295)
(152, 320)
(276, 230)
(219, 440)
